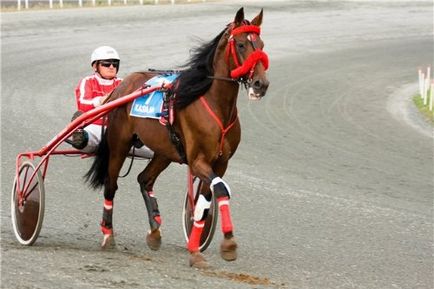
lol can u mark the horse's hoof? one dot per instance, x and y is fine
(153, 239)
(228, 249)
(197, 260)
(108, 242)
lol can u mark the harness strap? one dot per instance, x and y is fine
(169, 118)
(233, 52)
(245, 29)
(176, 141)
(219, 123)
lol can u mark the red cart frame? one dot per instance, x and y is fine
(28, 192)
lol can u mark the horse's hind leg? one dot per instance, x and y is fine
(118, 152)
(146, 180)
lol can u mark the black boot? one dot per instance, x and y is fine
(80, 136)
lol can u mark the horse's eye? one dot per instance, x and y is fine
(240, 46)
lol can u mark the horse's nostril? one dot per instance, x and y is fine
(257, 84)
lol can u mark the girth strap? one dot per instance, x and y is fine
(219, 123)
(176, 141)
(168, 119)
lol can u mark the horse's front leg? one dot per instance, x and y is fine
(200, 215)
(222, 192)
(146, 180)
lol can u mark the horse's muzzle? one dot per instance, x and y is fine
(258, 88)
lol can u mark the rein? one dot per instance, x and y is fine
(223, 78)
(241, 80)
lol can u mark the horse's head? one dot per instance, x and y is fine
(244, 56)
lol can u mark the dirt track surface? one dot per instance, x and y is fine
(332, 188)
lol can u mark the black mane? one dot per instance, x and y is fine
(193, 82)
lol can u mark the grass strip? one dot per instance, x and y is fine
(424, 109)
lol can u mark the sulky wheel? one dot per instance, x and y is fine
(28, 211)
(188, 212)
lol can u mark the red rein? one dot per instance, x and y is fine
(251, 61)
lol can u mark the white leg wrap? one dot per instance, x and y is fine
(217, 180)
(201, 206)
(224, 202)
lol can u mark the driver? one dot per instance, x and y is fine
(91, 92)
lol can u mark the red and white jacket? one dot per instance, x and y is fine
(91, 90)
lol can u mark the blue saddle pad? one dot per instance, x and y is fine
(150, 105)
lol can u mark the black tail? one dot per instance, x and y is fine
(98, 172)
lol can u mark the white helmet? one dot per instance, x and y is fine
(103, 53)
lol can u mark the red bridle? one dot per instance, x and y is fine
(248, 66)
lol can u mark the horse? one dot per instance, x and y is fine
(205, 131)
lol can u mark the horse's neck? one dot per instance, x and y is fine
(222, 97)
(223, 94)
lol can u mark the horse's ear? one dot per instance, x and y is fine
(258, 19)
(239, 17)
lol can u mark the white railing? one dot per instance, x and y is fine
(93, 2)
(426, 87)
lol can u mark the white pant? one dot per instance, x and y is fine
(94, 134)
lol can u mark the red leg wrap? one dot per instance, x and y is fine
(225, 214)
(196, 232)
(108, 205)
(158, 219)
(106, 231)
(106, 228)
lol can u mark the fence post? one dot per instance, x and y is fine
(93, 2)
(422, 85)
(125, 2)
(26, 4)
(430, 96)
(420, 77)
(51, 4)
(109, 2)
(61, 3)
(156, 2)
(425, 91)
(19, 4)
(428, 77)
(427, 85)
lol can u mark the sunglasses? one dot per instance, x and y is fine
(107, 63)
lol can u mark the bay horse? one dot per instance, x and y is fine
(206, 127)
